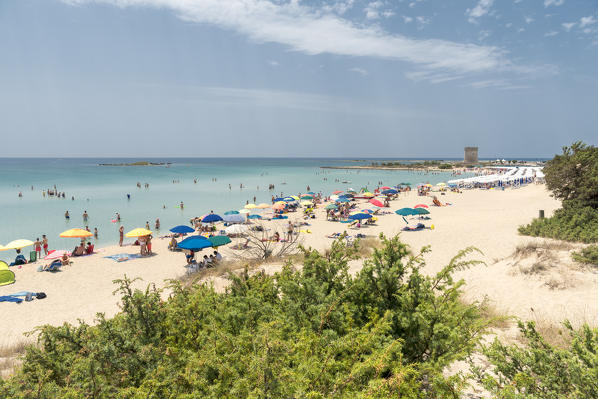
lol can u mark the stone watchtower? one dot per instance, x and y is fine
(471, 155)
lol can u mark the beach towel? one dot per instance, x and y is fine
(123, 257)
(7, 298)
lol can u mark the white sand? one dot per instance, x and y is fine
(487, 220)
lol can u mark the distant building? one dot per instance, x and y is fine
(471, 155)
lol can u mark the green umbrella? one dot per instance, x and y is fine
(331, 206)
(421, 211)
(407, 212)
(218, 241)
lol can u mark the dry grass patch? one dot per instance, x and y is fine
(10, 357)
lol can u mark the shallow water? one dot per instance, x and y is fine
(102, 190)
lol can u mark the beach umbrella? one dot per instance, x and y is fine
(236, 229)
(263, 205)
(404, 184)
(244, 211)
(138, 232)
(334, 197)
(347, 195)
(368, 194)
(384, 188)
(218, 241)
(350, 190)
(377, 203)
(331, 206)
(278, 200)
(406, 212)
(294, 197)
(343, 199)
(194, 243)
(279, 206)
(311, 193)
(254, 217)
(421, 211)
(250, 206)
(441, 184)
(367, 211)
(420, 206)
(307, 203)
(360, 216)
(288, 199)
(18, 244)
(390, 191)
(428, 185)
(307, 197)
(182, 229)
(76, 233)
(234, 218)
(56, 254)
(211, 218)
(231, 212)
(336, 192)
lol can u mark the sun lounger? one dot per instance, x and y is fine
(6, 276)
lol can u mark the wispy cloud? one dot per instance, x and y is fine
(375, 10)
(273, 63)
(497, 84)
(568, 25)
(361, 71)
(586, 21)
(551, 33)
(482, 8)
(548, 3)
(529, 20)
(302, 27)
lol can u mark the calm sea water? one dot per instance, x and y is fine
(102, 190)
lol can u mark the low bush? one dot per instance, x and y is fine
(570, 223)
(541, 370)
(388, 331)
(588, 255)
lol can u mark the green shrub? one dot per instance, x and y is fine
(588, 255)
(540, 370)
(445, 166)
(388, 331)
(570, 223)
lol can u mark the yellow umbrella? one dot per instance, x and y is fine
(18, 244)
(263, 205)
(295, 197)
(250, 206)
(76, 233)
(441, 184)
(368, 194)
(307, 203)
(244, 211)
(138, 232)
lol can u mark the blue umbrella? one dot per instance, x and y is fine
(390, 191)
(278, 199)
(194, 243)
(311, 193)
(360, 216)
(231, 212)
(182, 229)
(211, 218)
(288, 199)
(421, 211)
(343, 199)
(406, 212)
(254, 217)
(348, 195)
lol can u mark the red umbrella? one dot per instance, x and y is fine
(56, 254)
(385, 188)
(421, 206)
(336, 192)
(376, 202)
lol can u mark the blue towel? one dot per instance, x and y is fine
(7, 298)
(123, 257)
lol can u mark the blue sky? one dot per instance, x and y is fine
(345, 78)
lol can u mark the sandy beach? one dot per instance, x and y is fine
(485, 219)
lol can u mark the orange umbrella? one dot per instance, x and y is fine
(279, 206)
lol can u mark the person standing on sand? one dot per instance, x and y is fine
(45, 244)
(121, 232)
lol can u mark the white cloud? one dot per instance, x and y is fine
(302, 28)
(497, 84)
(374, 10)
(529, 20)
(585, 21)
(407, 19)
(548, 3)
(483, 35)
(273, 63)
(481, 9)
(432, 77)
(508, 25)
(569, 25)
(339, 7)
(551, 33)
(361, 71)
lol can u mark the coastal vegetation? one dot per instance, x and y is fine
(572, 177)
(418, 165)
(588, 255)
(318, 332)
(138, 163)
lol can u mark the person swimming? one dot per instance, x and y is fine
(66, 215)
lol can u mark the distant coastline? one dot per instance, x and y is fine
(139, 163)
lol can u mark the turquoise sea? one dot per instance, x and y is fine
(102, 191)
